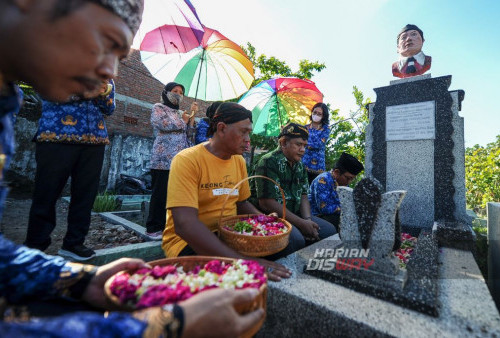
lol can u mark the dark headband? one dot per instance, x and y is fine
(212, 109)
(229, 113)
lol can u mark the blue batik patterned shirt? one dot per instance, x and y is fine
(29, 274)
(201, 131)
(314, 157)
(323, 195)
(80, 121)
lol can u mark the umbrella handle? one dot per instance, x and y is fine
(199, 74)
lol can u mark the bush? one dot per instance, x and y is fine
(482, 175)
(105, 202)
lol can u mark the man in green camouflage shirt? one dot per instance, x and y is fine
(285, 167)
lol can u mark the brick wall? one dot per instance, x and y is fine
(137, 90)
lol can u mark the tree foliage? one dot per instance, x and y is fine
(348, 134)
(482, 174)
(268, 67)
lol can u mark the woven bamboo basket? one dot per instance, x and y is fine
(189, 263)
(253, 246)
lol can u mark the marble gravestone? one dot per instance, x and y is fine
(415, 142)
(368, 224)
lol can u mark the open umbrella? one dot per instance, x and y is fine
(276, 102)
(169, 26)
(217, 70)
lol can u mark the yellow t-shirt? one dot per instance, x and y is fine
(201, 180)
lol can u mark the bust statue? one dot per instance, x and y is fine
(412, 61)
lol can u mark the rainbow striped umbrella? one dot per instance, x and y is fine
(169, 26)
(276, 102)
(217, 70)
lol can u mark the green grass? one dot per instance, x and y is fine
(105, 202)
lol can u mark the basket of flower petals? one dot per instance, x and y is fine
(255, 235)
(173, 280)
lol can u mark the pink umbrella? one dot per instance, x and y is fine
(169, 26)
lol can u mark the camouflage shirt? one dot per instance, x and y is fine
(292, 179)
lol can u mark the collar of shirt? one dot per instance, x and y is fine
(282, 158)
(420, 58)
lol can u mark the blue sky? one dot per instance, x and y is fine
(356, 40)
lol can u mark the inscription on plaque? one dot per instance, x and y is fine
(415, 121)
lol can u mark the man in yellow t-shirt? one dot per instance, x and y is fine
(201, 178)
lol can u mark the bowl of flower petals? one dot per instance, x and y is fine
(173, 280)
(255, 235)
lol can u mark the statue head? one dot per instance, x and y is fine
(410, 40)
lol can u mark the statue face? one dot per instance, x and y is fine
(410, 43)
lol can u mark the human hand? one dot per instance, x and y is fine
(275, 271)
(194, 109)
(212, 313)
(309, 229)
(94, 293)
(274, 214)
(185, 117)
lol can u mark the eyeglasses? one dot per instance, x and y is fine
(318, 113)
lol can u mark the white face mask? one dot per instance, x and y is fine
(174, 98)
(317, 118)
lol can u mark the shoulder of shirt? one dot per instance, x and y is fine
(163, 107)
(190, 153)
(272, 156)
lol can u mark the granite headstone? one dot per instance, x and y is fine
(414, 142)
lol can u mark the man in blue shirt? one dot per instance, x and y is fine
(323, 197)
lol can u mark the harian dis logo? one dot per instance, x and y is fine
(340, 259)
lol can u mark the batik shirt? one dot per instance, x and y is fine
(29, 274)
(201, 132)
(80, 121)
(314, 157)
(9, 107)
(323, 195)
(292, 179)
(172, 136)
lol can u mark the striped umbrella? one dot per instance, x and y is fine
(169, 26)
(276, 102)
(216, 70)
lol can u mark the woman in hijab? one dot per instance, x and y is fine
(174, 132)
(319, 132)
(204, 123)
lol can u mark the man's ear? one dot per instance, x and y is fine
(221, 127)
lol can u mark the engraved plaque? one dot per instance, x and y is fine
(415, 121)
